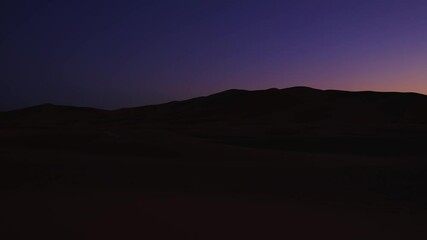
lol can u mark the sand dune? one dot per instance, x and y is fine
(276, 163)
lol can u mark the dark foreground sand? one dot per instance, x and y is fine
(133, 215)
(214, 191)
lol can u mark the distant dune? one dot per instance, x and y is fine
(298, 119)
(297, 110)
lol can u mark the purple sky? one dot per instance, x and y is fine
(113, 54)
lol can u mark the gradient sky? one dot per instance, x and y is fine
(113, 54)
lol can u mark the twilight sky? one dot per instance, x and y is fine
(124, 53)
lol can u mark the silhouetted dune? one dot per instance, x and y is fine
(293, 105)
(295, 119)
(297, 110)
(50, 115)
(292, 111)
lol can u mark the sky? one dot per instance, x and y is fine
(112, 54)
